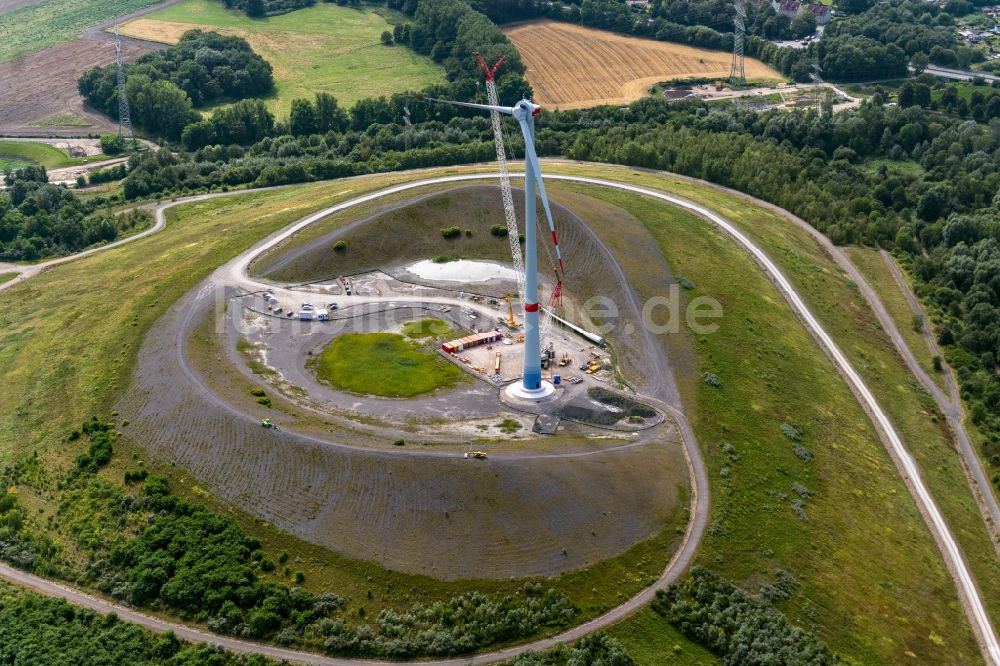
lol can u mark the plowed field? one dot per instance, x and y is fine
(573, 67)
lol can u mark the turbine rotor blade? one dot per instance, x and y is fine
(507, 110)
(531, 156)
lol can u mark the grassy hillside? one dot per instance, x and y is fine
(45, 24)
(806, 501)
(325, 48)
(880, 277)
(57, 370)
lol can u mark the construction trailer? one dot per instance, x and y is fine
(305, 315)
(470, 341)
(322, 314)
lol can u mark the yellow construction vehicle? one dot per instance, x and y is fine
(511, 322)
(565, 360)
(496, 366)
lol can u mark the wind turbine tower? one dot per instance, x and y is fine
(124, 118)
(736, 72)
(531, 386)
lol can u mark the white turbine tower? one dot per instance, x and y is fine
(531, 386)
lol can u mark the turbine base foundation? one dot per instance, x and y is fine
(516, 391)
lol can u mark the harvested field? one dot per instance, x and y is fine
(42, 85)
(573, 67)
(31, 27)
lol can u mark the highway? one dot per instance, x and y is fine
(957, 74)
(903, 460)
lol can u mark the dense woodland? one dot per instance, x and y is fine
(165, 86)
(41, 630)
(39, 220)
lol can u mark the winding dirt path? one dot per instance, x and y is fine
(903, 460)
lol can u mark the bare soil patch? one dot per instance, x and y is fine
(572, 67)
(43, 84)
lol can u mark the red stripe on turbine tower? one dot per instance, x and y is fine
(531, 307)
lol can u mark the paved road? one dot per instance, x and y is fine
(958, 74)
(904, 461)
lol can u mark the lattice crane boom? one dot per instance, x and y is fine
(510, 215)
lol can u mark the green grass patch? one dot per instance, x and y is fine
(7, 277)
(325, 48)
(509, 426)
(880, 277)
(33, 152)
(384, 364)
(48, 23)
(652, 641)
(906, 167)
(964, 90)
(62, 120)
(427, 328)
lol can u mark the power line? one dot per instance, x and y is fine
(124, 117)
(736, 71)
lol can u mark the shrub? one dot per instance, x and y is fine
(135, 475)
(264, 401)
(386, 38)
(340, 246)
(451, 232)
(111, 144)
(399, 442)
(498, 230)
(740, 627)
(257, 392)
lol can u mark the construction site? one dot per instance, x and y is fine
(445, 401)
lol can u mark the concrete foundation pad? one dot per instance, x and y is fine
(518, 393)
